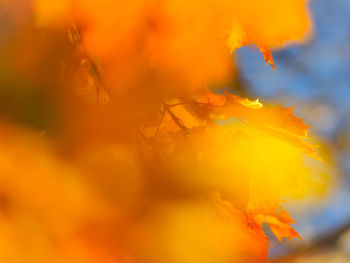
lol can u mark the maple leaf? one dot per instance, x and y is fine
(277, 121)
(279, 220)
(225, 210)
(269, 180)
(279, 223)
(258, 23)
(175, 35)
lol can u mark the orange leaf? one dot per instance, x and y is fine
(279, 223)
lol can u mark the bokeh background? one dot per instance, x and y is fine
(313, 77)
(316, 79)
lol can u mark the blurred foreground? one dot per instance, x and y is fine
(114, 146)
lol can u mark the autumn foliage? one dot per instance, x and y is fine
(115, 147)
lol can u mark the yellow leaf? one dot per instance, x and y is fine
(277, 121)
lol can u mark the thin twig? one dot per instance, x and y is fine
(177, 121)
(158, 127)
(185, 103)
